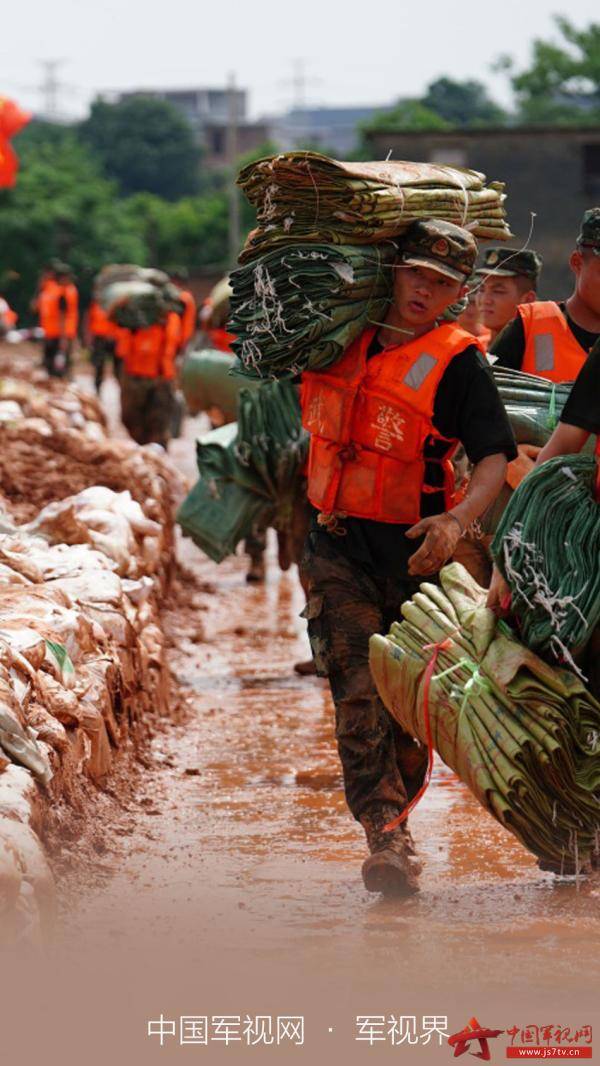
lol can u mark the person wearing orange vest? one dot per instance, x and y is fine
(147, 386)
(384, 422)
(57, 305)
(8, 317)
(507, 278)
(101, 336)
(552, 340)
(189, 315)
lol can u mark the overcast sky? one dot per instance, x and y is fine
(352, 53)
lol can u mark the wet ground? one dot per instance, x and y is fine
(232, 882)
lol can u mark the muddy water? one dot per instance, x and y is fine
(249, 832)
(233, 874)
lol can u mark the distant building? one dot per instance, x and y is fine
(333, 128)
(207, 111)
(553, 171)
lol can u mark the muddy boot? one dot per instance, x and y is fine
(392, 867)
(306, 669)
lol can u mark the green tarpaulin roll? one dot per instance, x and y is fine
(250, 471)
(300, 307)
(524, 736)
(305, 196)
(207, 381)
(547, 547)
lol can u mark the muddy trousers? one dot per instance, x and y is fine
(347, 603)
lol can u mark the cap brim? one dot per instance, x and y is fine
(498, 272)
(434, 264)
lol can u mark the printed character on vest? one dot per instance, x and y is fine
(385, 421)
(507, 278)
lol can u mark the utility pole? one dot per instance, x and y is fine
(50, 87)
(232, 155)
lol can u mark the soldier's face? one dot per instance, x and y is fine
(422, 294)
(498, 300)
(586, 266)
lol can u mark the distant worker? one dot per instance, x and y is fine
(101, 338)
(214, 315)
(8, 317)
(189, 316)
(507, 279)
(57, 306)
(552, 340)
(147, 387)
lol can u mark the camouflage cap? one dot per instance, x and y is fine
(590, 230)
(511, 263)
(441, 246)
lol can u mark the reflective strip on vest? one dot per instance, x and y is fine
(544, 352)
(419, 371)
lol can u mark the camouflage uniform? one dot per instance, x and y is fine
(346, 604)
(147, 408)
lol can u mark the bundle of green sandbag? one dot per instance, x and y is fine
(135, 297)
(207, 382)
(547, 547)
(250, 471)
(305, 196)
(533, 404)
(524, 737)
(300, 307)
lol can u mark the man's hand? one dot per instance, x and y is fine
(442, 533)
(499, 594)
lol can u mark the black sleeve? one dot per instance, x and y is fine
(509, 346)
(468, 407)
(582, 409)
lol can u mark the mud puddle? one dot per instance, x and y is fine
(238, 855)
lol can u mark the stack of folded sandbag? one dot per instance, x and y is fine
(136, 297)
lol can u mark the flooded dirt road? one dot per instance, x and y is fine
(231, 877)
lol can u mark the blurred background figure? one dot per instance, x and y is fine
(57, 307)
(101, 340)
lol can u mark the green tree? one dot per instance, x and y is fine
(145, 145)
(562, 84)
(192, 232)
(463, 103)
(62, 206)
(406, 115)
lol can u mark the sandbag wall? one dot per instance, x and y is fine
(86, 539)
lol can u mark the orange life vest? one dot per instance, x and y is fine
(188, 317)
(551, 350)
(369, 421)
(221, 340)
(57, 307)
(71, 320)
(7, 314)
(151, 352)
(99, 324)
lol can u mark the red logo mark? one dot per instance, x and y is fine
(474, 1031)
